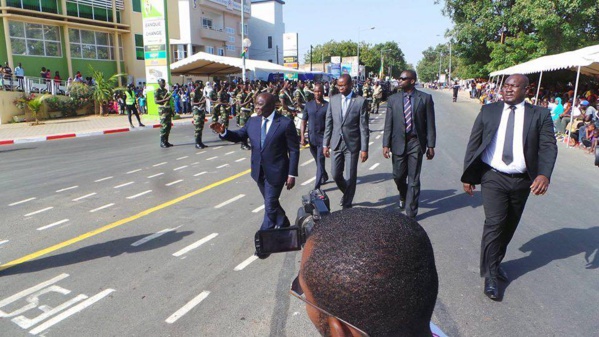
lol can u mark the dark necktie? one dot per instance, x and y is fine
(407, 112)
(508, 144)
(263, 132)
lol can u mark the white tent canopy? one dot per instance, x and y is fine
(586, 58)
(209, 65)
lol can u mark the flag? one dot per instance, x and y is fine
(244, 52)
(381, 70)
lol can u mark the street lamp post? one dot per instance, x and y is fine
(440, 57)
(245, 44)
(381, 71)
(359, 30)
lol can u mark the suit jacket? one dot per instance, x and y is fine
(279, 157)
(423, 122)
(540, 149)
(354, 127)
(316, 117)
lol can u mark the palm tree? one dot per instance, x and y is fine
(35, 105)
(104, 88)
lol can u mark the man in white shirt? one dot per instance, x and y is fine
(511, 152)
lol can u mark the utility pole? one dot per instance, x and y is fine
(277, 54)
(310, 57)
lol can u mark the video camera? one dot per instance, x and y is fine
(315, 205)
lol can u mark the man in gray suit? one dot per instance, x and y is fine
(346, 132)
(409, 133)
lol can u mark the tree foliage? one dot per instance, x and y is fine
(370, 55)
(103, 89)
(534, 28)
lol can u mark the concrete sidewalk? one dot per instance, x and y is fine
(16, 133)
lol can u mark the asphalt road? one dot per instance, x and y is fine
(114, 236)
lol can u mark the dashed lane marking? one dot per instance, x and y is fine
(225, 165)
(159, 164)
(21, 202)
(308, 181)
(307, 162)
(199, 174)
(153, 236)
(228, 153)
(118, 223)
(85, 196)
(200, 152)
(40, 211)
(374, 166)
(174, 182)
(229, 201)
(378, 137)
(240, 159)
(125, 184)
(66, 189)
(245, 263)
(101, 208)
(211, 158)
(53, 224)
(187, 307)
(180, 158)
(258, 209)
(216, 148)
(102, 179)
(3, 242)
(370, 143)
(133, 171)
(180, 168)
(195, 245)
(139, 194)
(155, 175)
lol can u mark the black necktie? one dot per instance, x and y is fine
(508, 144)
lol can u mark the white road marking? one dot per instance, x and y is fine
(308, 181)
(102, 207)
(200, 152)
(216, 148)
(307, 162)
(182, 157)
(187, 307)
(211, 158)
(139, 194)
(31, 290)
(225, 165)
(195, 245)
(125, 184)
(3, 242)
(240, 159)
(374, 166)
(27, 323)
(230, 201)
(370, 143)
(246, 263)
(97, 181)
(228, 153)
(153, 236)
(174, 182)
(258, 209)
(85, 196)
(382, 132)
(155, 175)
(196, 163)
(65, 314)
(159, 164)
(378, 137)
(21, 202)
(53, 224)
(66, 189)
(133, 171)
(199, 174)
(41, 210)
(180, 168)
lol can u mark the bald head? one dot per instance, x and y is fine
(265, 104)
(514, 89)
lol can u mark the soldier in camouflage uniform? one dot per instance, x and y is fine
(299, 97)
(221, 109)
(198, 103)
(367, 94)
(308, 92)
(287, 109)
(377, 95)
(163, 99)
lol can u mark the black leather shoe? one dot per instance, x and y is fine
(402, 204)
(141, 125)
(198, 146)
(491, 288)
(163, 145)
(324, 179)
(502, 275)
(168, 144)
(261, 256)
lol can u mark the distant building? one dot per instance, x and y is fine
(266, 32)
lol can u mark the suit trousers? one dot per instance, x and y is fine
(274, 215)
(407, 167)
(319, 158)
(344, 168)
(504, 198)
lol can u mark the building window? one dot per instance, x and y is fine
(270, 42)
(231, 39)
(210, 49)
(136, 5)
(86, 44)
(230, 30)
(245, 30)
(230, 48)
(221, 52)
(34, 39)
(100, 10)
(139, 47)
(207, 23)
(47, 6)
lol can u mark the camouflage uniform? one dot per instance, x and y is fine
(377, 98)
(284, 97)
(247, 110)
(299, 99)
(239, 96)
(221, 110)
(199, 115)
(166, 115)
(367, 94)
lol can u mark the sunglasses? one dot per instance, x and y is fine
(405, 78)
(297, 291)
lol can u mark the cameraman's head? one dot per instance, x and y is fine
(369, 270)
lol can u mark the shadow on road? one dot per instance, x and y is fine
(13, 150)
(442, 201)
(556, 245)
(105, 249)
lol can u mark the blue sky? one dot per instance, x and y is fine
(413, 24)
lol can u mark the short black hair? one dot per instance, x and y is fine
(374, 269)
(412, 74)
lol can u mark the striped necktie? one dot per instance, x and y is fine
(407, 112)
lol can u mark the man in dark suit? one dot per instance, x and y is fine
(409, 133)
(346, 132)
(314, 114)
(275, 155)
(511, 152)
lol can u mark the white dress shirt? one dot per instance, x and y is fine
(345, 100)
(493, 154)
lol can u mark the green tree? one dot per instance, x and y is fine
(35, 105)
(103, 89)
(531, 28)
(435, 61)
